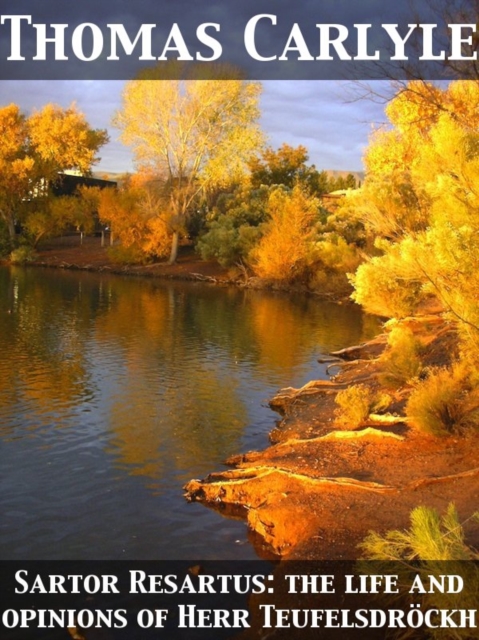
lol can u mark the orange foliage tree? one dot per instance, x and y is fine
(138, 216)
(286, 251)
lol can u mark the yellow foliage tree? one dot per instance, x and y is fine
(395, 199)
(193, 134)
(35, 149)
(15, 165)
(442, 257)
(62, 139)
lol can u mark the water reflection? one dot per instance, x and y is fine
(114, 392)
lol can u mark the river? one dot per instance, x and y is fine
(115, 391)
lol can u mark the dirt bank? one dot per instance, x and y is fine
(317, 491)
(68, 253)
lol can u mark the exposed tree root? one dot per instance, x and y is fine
(232, 486)
(349, 363)
(362, 433)
(349, 353)
(342, 435)
(386, 418)
(217, 486)
(423, 482)
(288, 395)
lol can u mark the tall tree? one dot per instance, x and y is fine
(36, 148)
(287, 166)
(430, 160)
(194, 134)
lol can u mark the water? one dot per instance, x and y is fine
(115, 391)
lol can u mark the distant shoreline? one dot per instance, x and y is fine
(67, 253)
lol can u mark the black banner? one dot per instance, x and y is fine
(261, 39)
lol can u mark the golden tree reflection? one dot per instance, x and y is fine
(164, 374)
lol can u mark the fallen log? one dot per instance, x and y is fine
(202, 278)
(288, 395)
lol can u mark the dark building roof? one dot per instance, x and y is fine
(67, 184)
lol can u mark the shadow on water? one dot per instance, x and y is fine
(115, 391)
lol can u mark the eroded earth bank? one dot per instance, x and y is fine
(321, 486)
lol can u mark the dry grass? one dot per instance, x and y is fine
(445, 402)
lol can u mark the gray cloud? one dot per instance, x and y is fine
(316, 114)
(320, 116)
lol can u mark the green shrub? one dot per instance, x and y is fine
(336, 254)
(401, 361)
(334, 259)
(445, 402)
(422, 551)
(23, 254)
(228, 242)
(5, 242)
(429, 538)
(234, 225)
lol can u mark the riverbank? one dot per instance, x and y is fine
(320, 488)
(68, 253)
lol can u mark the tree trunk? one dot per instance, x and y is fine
(174, 247)
(11, 229)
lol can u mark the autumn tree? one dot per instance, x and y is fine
(16, 165)
(286, 251)
(194, 134)
(287, 166)
(49, 216)
(437, 254)
(35, 149)
(138, 217)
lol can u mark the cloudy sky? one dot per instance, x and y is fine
(320, 115)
